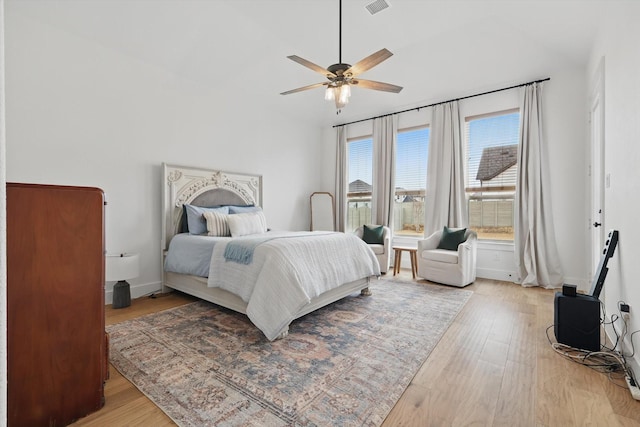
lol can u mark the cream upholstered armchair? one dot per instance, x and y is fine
(448, 266)
(381, 250)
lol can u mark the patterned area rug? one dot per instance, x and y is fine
(346, 364)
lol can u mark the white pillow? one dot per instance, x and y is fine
(244, 224)
(217, 224)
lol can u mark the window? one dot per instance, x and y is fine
(360, 155)
(492, 142)
(411, 181)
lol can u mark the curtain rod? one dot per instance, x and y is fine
(444, 102)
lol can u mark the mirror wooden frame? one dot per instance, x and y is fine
(322, 203)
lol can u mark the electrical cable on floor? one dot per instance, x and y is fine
(607, 361)
(152, 294)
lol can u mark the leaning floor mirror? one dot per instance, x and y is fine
(323, 216)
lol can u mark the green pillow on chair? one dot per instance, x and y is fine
(373, 235)
(451, 238)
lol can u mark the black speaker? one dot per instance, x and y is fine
(577, 321)
(569, 290)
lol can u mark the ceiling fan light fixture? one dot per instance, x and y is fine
(341, 75)
(339, 94)
(344, 92)
(329, 94)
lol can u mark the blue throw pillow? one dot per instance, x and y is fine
(196, 222)
(244, 209)
(373, 235)
(451, 238)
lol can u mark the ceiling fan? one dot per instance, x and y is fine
(342, 76)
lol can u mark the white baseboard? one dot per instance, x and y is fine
(511, 276)
(137, 291)
(494, 274)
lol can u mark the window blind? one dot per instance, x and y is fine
(360, 165)
(411, 161)
(492, 143)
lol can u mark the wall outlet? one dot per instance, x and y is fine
(625, 310)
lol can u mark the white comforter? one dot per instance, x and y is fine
(287, 272)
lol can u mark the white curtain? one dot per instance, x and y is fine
(536, 253)
(384, 169)
(341, 178)
(445, 202)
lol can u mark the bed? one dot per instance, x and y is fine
(273, 277)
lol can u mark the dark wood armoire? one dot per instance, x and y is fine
(57, 358)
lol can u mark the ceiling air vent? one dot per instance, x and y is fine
(377, 6)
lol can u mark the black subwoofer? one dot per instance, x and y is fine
(577, 321)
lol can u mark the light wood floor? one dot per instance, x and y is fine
(493, 367)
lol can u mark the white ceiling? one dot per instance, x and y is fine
(442, 49)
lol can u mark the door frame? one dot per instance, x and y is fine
(596, 166)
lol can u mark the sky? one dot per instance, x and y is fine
(412, 150)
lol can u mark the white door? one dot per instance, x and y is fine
(597, 166)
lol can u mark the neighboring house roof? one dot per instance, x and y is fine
(496, 160)
(359, 186)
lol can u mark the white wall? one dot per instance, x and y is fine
(565, 124)
(617, 43)
(82, 114)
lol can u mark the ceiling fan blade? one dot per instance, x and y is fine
(370, 84)
(300, 89)
(369, 62)
(311, 65)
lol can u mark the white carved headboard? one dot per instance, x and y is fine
(202, 187)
